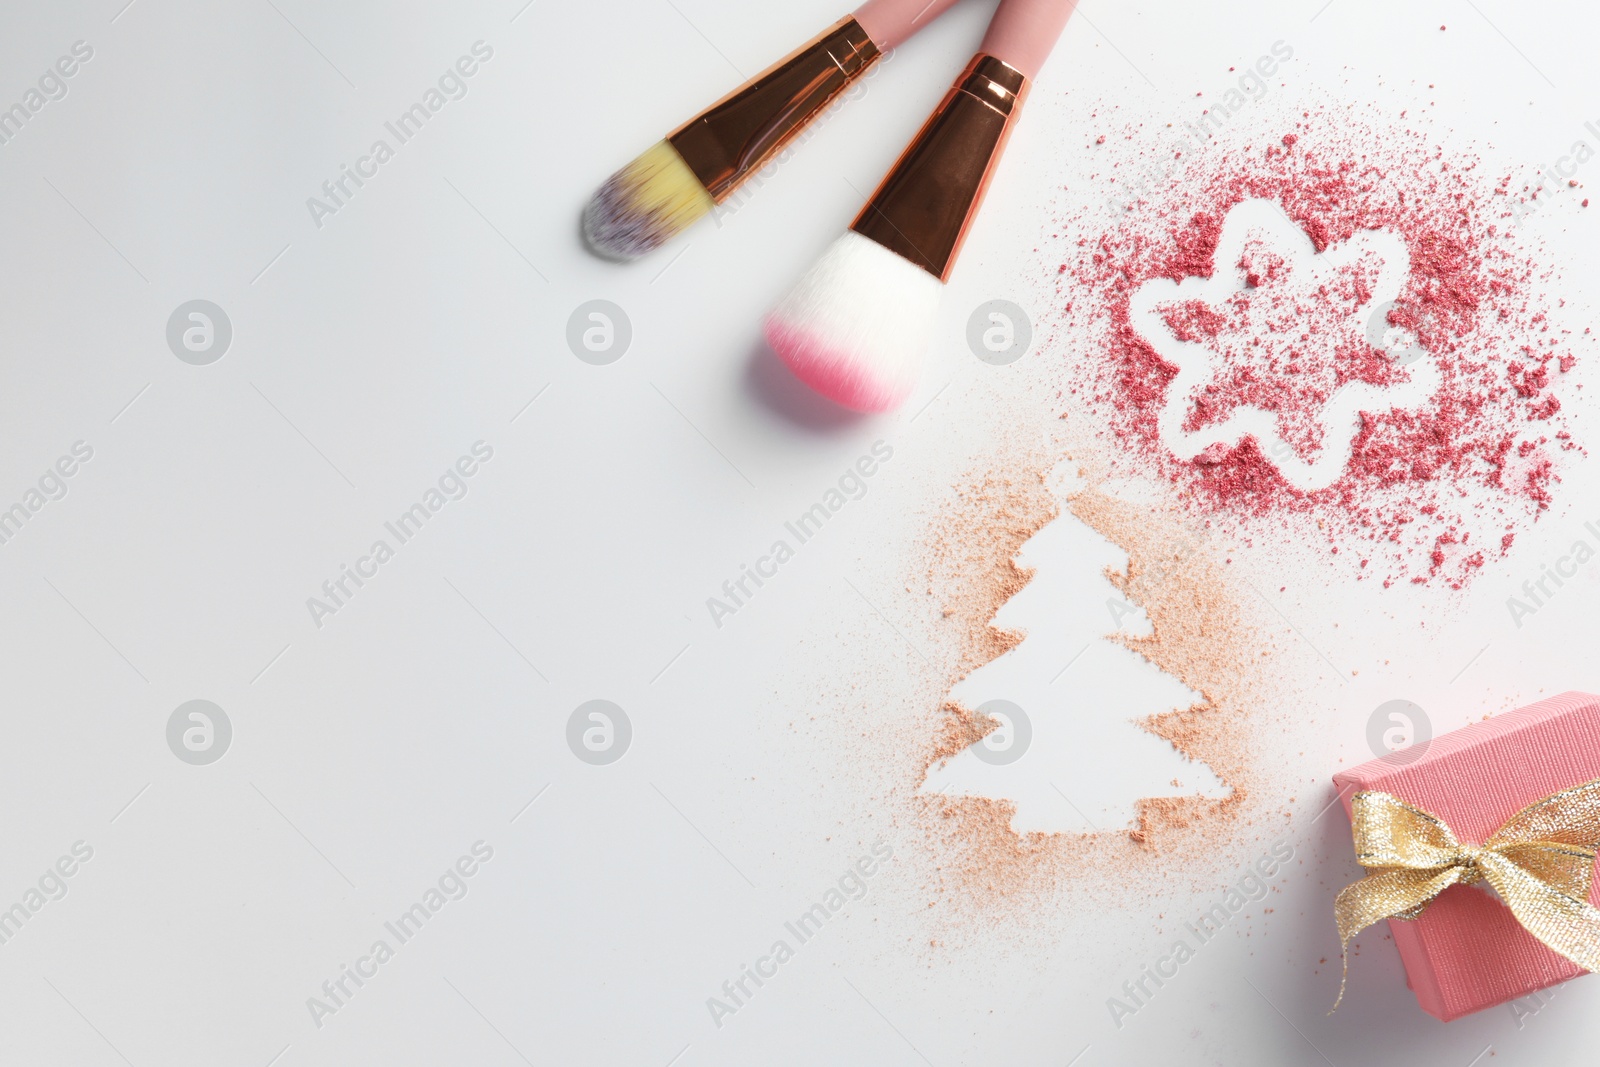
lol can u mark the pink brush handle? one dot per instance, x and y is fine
(890, 22)
(1023, 32)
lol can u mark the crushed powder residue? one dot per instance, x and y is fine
(1432, 489)
(979, 865)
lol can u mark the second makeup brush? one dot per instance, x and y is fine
(856, 325)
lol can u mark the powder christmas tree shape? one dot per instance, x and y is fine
(1070, 751)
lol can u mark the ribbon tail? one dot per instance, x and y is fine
(1565, 924)
(1382, 895)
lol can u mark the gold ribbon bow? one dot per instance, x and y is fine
(1540, 862)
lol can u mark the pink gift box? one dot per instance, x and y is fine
(1466, 952)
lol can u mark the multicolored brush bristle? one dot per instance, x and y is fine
(644, 205)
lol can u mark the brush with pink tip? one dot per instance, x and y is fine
(681, 179)
(856, 326)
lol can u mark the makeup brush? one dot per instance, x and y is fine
(680, 179)
(857, 324)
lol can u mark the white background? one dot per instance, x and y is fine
(368, 754)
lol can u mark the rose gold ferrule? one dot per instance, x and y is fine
(923, 208)
(736, 136)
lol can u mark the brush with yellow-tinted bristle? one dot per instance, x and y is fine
(645, 204)
(700, 164)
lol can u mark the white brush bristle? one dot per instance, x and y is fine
(856, 326)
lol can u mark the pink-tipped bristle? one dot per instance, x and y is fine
(841, 376)
(856, 326)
